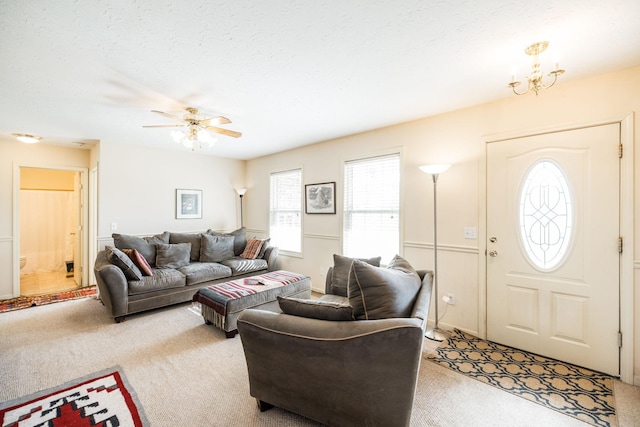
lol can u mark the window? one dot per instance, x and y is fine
(546, 215)
(286, 210)
(372, 207)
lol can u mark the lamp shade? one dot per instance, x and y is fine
(435, 169)
(241, 191)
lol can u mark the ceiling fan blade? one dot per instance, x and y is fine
(162, 113)
(220, 120)
(163, 126)
(226, 132)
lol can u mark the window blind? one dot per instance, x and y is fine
(285, 211)
(372, 207)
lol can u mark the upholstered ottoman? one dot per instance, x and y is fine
(222, 303)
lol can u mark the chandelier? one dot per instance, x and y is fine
(535, 80)
(193, 135)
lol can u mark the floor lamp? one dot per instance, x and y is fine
(435, 334)
(241, 192)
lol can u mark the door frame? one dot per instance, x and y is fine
(626, 123)
(16, 218)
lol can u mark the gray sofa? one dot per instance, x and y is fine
(347, 371)
(143, 273)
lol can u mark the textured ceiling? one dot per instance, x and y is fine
(286, 72)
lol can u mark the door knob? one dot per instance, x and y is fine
(493, 253)
(493, 239)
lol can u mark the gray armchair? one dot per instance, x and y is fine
(340, 373)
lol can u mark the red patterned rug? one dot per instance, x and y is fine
(30, 301)
(100, 399)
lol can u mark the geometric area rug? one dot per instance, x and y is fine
(568, 389)
(100, 399)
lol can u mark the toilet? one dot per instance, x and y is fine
(23, 261)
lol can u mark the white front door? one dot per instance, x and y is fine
(553, 258)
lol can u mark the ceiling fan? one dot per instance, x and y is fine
(196, 126)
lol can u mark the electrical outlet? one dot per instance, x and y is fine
(114, 226)
(449, 299)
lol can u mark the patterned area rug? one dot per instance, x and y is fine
(30, 301)
(571, 390)
(101, 399)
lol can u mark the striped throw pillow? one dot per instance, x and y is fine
(252, 250)
(139, 261)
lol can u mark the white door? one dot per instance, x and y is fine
(553, 245)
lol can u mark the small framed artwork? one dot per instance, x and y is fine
(188, 204)
(320, 198)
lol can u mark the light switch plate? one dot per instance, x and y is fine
(470, 233)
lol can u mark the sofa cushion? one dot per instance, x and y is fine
(199, 272)
(145, 245)
(163, 278)
(381, 293)
(215, 248)
(240, 265)
(240, 239)
(173, 255)
(122, 260)
(252, 250)
(139, 261)
(193, 238)
(340, 272)
(316, 309)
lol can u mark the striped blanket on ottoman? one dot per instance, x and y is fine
(222, 303)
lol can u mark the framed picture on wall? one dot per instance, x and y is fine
(320, 198)
(188, 204)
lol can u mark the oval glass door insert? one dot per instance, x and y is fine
(546, 215)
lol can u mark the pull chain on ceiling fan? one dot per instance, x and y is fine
(196, 128)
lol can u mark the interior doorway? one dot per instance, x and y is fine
(51, 230)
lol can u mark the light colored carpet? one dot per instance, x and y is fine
(186, 373)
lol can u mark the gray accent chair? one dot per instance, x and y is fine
(340, 373)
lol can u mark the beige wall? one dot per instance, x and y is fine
(137, 190)
(46, 179)
(455, 138)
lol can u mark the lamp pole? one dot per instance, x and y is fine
(436, 333)
(241, 192)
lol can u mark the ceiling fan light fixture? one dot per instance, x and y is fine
(27, 138)
(196, 128)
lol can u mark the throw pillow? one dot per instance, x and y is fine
(216, 248)
(145, 245)
(265, 245)
(340, 272)
(193, 238)
(173, 255)
(122, 260)
(240, 239)
(252, 250)
(139, 261)
(381, 293)
(316, 309)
